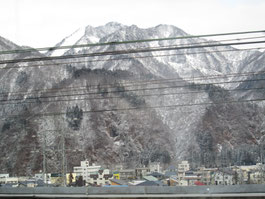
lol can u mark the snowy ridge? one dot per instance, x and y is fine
(187, 64)
(69, 41)
(136, 136)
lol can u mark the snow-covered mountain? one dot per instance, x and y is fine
(113, 110)
(186, 63)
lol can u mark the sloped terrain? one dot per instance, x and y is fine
(114, 111)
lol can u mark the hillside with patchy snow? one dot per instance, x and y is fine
(113, 110)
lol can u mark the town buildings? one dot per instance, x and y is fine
(91, 174)
(86, 169)
(101, 177)
(224, 177)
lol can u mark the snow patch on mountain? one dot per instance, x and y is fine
(69, 41)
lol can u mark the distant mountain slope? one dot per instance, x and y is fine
(187, 62)
(127, 111)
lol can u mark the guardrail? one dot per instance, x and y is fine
(233, 191)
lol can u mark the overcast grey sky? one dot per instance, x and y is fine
(41, 23)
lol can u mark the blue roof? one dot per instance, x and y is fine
(115, 186)
(171, 168)
(170, 173)
(150, 183)
(150, 178)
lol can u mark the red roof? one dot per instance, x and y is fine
(198, 183)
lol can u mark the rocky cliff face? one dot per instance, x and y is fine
(112, 111)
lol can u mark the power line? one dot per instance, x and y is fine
(144, 95)
(147, 107)
(128, 58)
(132, 90)
(206, 42)
(127, 42)
(194, 78)
(123, 52)
(133, 83)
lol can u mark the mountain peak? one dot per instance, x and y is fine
(113, 24)
(170, 30)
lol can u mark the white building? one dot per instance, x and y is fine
(3, 178)
(189, 179)
(86, 169)
(47, 177)
(101, 177)
(182, 168)
(154, 167)
(224, 177)
(9, 180)
(5, 175)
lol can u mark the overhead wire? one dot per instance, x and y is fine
(125, 52)
(127, 84)
(143, 107)
(126, 58)
(141, 95)
(204, 42)
(129, 52)
(131, 90)
(128, 42)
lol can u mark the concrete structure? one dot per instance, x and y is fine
(154, 167)
(10, 180)
(5, 175)
(140, 172)
(47, 177)
(207, 175)
(224, 177)
(189, 179)
(127, 174)
(257, 177)
(182, 168)
(85, 169)
(100, 178)
(56, 179)
(3, 178)
(250, 174)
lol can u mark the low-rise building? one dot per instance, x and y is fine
(101, 177)
(140, 172)
(85, 169)
(9, 180)
(189, 179)
(155, 167)
(57, 179)
(182, 168)
(127, 174)
(117, 182)
(157, 175)
(116, 175)
(224, 177)
(207, 174)
(4, 175)
(257, 177)
(47, 177)
(70, 178)
(3, 178)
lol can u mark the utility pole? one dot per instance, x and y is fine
(63, 160)
(44, 159)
